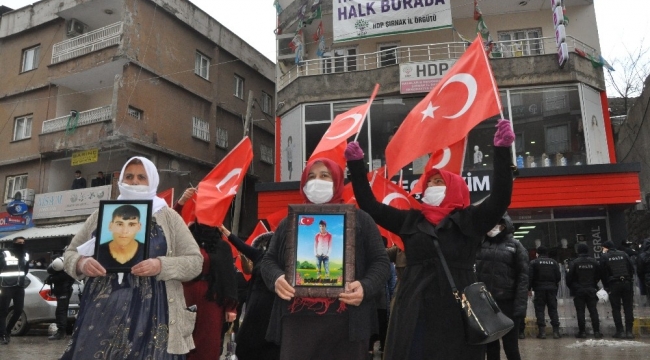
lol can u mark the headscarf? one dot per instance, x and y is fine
(337, 178)
(152, 176)
(456, 196)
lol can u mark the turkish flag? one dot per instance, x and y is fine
(336, 154)
(259, 230)
(306, 220)
(216, 190)
(451, 158)
(275, 218)
(187, 213)
(464, 97)
(167, 195)
(343, 126)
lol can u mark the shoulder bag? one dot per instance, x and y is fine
(484, 321)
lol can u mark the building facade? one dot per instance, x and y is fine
(88, 84)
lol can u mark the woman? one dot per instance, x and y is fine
(251, 342)
(326, 328)
(425, 321)
(141, 314)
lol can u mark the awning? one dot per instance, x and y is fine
(40, 232)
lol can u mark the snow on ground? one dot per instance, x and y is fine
(607, 343)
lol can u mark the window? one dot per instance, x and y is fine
(387, 55)
(13, 184)
(30, 58)
(239, 87)
(342, 61)
(266, 154)
(200, 129)
(202, 66)
(267, 102)
(23, 128)
(520, 42)
(133, 112)
(557, 139)
(222, 138)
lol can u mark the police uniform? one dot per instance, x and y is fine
(61, 288)
(13, 270)
(582, 279)
(617, 270)
(544, 277)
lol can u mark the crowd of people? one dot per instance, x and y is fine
(178, 300)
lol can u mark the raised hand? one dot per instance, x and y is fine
(504, 135)
(353, 151)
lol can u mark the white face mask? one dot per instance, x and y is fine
(495, 231)
(433, 195)
(319, 191)
(136, 188)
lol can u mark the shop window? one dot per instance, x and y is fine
(12, 185)
(318, 112)
(200, 129)
(30, 58)
(22, 128)
(557, 139)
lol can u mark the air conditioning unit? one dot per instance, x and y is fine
(26, 195)
(76, 27)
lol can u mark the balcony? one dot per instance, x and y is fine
(425, 52)
(87, 117)
(83, 44)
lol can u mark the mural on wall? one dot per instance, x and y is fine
(291, 146)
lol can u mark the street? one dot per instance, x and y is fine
(35, 345)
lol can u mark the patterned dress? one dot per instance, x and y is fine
(123, 320)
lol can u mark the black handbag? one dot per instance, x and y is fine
(484, 321)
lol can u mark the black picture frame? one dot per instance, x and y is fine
(307, 271)
(110, 225)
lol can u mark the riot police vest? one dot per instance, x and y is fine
(616, 262)
(546, 270)
(585, 272)
(13, 273)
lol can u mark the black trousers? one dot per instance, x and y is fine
(622, 291)
(588, 300)
(61, 313)
(546, 299)
(510, 340)
(17, 294)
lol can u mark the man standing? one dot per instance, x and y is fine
(100, 180)
(643, 269)
(544, 276)
(61, 288)
(13, 269)
(78, 182)
(582, 279)
(617, 271)
(322, 248)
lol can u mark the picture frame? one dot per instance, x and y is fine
(308, 269)
(122, 236)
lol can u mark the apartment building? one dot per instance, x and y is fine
(88, 84)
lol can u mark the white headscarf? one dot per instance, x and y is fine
(154, 179)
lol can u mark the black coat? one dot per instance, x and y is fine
(583, 276)
(544, 274)
(60, 280)
(643, 267)
(502, 264)
(424, 297)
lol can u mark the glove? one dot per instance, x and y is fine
(504, 135)
(353, 151)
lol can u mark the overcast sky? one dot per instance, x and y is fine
(622, 24)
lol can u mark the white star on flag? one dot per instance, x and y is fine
(428, 112)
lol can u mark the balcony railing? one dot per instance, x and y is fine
(86, 43)
(87, 117)
(426, 52)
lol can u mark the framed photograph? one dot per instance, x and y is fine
(320, 249)
(122, 236)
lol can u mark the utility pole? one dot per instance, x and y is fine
(247, 121)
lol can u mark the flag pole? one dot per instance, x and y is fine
(372, 97)
(238, 196)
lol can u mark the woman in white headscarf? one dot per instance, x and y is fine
(141, 314)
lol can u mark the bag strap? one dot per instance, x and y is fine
(454, 289)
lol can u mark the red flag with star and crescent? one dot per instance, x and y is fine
(464, 97)
(451, 158)
(167, 195)
(342, 127)
(216, 190)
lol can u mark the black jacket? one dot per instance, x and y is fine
(13, 267)
(616, 266)
(61, 282)
(583, 275)
(643, 267)
(502, 264)
(544, 274)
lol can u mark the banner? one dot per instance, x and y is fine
(358, 19)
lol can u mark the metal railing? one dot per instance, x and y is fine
(427, 52)
(86, 43)
(87, 117)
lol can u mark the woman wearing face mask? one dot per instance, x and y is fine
(425, 321)
(326, 328)
(141, 314)
(502, 264)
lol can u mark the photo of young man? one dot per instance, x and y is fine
(123, 249)
(322, 248)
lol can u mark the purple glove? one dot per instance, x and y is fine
(353, 151)
(504, 135)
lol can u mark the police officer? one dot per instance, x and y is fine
(544, 277)
(582, 279)
(617, 271)
(13, 269)
(61, 288)
(643, 269)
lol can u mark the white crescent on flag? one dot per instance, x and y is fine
(469, 82)
(304, 221)
(446, 156)
(234, 172)
(392, 196)
(356, 117)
